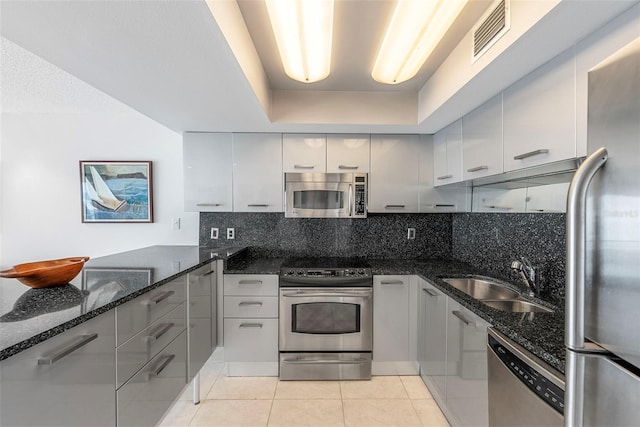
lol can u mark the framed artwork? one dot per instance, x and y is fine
(116, 191)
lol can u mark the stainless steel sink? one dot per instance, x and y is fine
(517, 306)
(481, 288)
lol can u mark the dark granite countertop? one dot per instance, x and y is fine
(29, 316)
(540, 333)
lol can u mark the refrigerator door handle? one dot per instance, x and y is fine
(576, 248)
(574, 390)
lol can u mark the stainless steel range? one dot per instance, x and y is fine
(326, 319)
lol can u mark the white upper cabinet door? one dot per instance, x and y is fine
(540, 115)
(438, 199)
(348, 153)
(482, 140)
(447, 151)
(393, 183)
(304, 153)
(257, 172)
(207, 172)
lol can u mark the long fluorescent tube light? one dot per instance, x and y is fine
(415, 29)
(304, 32)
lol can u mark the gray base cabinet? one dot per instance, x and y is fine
(68, 380)
(201, 312)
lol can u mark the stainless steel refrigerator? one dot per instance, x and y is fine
(603, 254)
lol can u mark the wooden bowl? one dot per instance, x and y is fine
(42, 274)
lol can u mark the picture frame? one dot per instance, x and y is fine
(116, 191)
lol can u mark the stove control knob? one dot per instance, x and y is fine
(361, 272)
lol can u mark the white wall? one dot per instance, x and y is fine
(52, 120)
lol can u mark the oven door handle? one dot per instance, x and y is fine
(324, 361)
(327, 294)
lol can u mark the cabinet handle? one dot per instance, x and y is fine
(250, 325)
(250, 282)
(250, 304)
(257, 206)
(445, 206)
(394, 206)
(506, 208)
(348, 167)
(531, 154)
(160, 331)
(326, 361)
(445, 176)
(478, 169)
(430, 292)
(208, 273)
(208, 204)
(164, 361)
(392, 282)
(304, 166)
(461, 317)
(159, 298)
(67, 349)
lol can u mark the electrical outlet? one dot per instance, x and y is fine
(214, 233)
(231, 233)
(176, 223)
(411, 233)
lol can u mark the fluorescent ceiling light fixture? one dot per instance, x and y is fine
(304, 32)
(415, 29)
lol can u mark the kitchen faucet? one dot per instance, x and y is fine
(528, 274)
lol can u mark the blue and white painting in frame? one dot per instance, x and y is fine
(116, 191)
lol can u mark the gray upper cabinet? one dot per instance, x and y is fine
(304, 152)
(68, 380)
(540, 115)
(348, 153)
(482, 140)
(207, 172)
(447, 154)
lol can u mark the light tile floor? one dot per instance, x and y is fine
(266, 401)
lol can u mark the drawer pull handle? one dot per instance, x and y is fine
(250, 282)
(445, 176)
(394, 207)
(506, 208)
(67, 349)
(348, 167)
(326, 361)
(445, 206)
(208, 273)
(478, 168)
(531, 154)
(304, 166)
(461, 317)
(250, 304)
(392, 282)
(250, 325)
(208, 204)
(162, 363)
(258, 205)
(157, 299)
(160, 331)
(430, 292)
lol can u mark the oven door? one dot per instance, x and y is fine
(319, 200)
(321, 319)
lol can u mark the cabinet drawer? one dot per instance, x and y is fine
(252, 307)
(140, 313)
(251, 284)
(251, 340)
(143, 400)
(135, 353)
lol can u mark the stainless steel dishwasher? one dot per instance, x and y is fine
(523, 390)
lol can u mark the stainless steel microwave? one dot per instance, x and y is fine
(325, 195)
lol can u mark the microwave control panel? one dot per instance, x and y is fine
(360, 208)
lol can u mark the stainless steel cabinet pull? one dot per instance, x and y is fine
(250, 282)
(429, 292)
(531, 154)
(157, 299)
(445, 176)
(506, 208)
(394, 207)
(163, 362)
(392, 282)
(445, 206)
(324, 362)
(250, 304)
(67, 349)
(160, 331)
(257, 206)
(250, 325)
(478, 168)
(464, 319)
(304, 166)
(208, 273)
(208, 204)
(347, 167)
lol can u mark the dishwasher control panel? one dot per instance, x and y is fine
(534, 380)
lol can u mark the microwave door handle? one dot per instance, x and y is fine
(350, 200)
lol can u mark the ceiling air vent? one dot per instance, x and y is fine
(491, 27)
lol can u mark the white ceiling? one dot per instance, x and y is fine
(171, 60)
